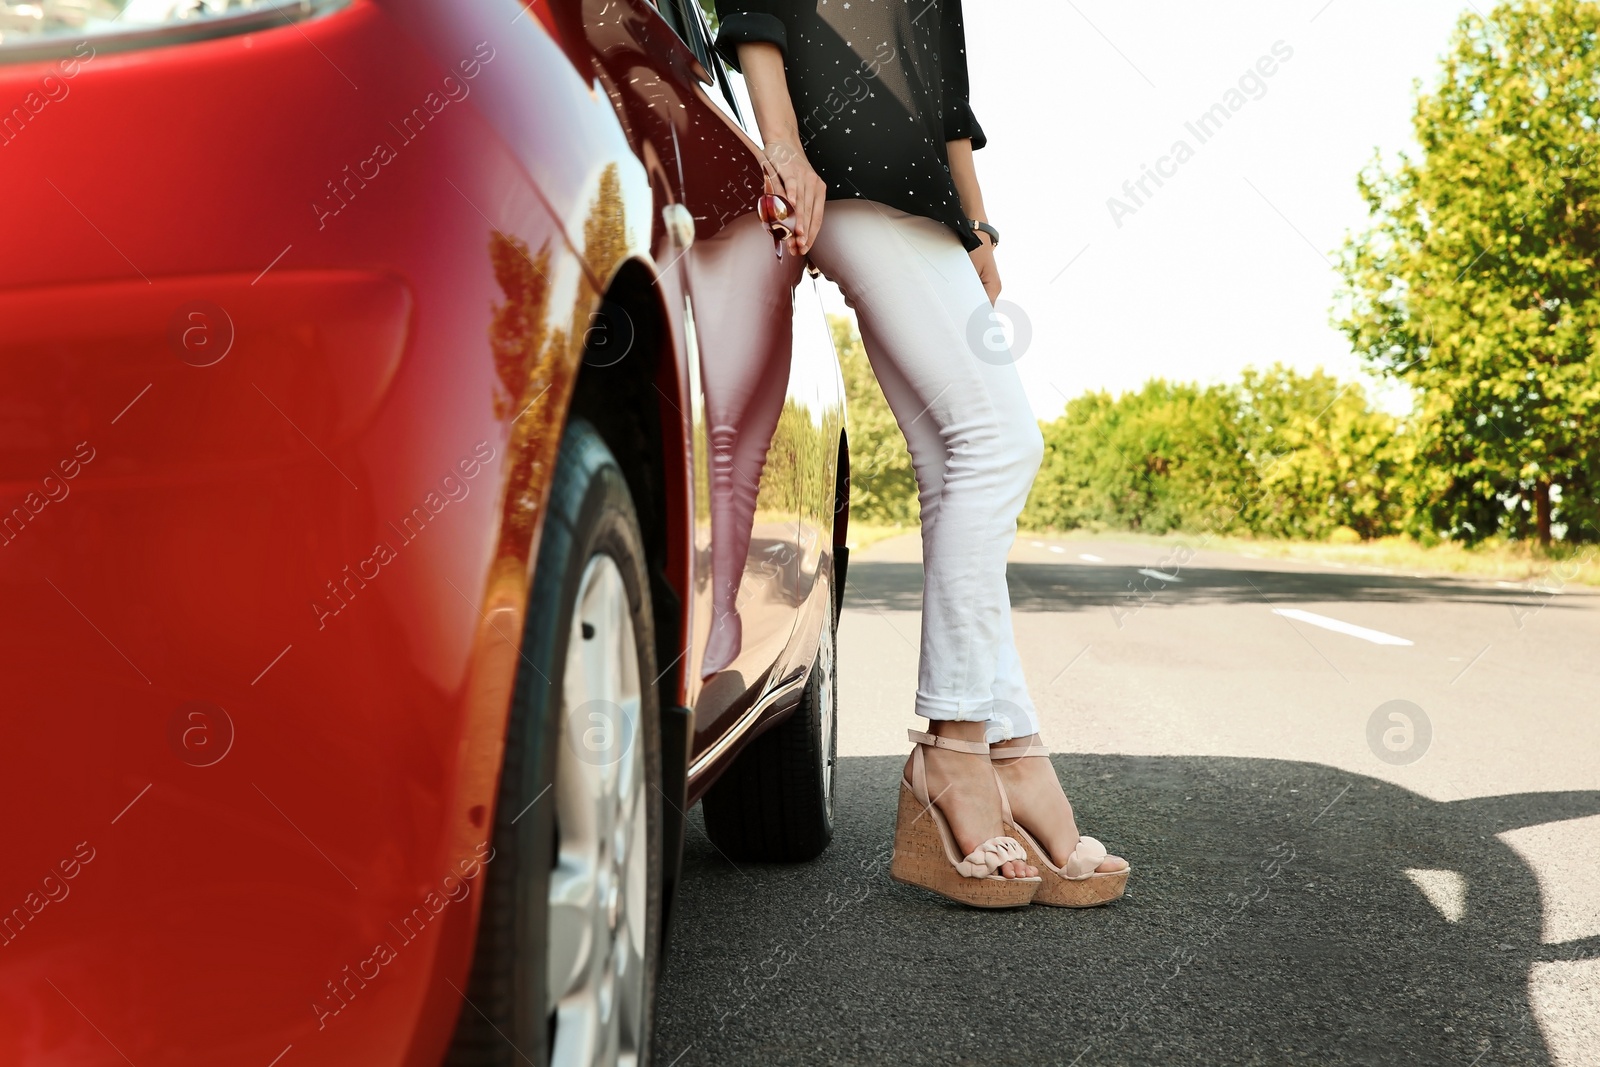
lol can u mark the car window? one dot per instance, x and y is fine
(692, 20)
(686, 20)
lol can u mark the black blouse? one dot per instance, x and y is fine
(878, 87)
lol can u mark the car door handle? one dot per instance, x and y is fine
(679, 224)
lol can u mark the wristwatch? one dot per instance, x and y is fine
(994, 234)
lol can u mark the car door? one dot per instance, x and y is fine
(733, 302)
(772, 381)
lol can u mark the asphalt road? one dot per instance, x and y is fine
(1306, 889)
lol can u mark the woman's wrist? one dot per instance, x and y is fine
(781, 149)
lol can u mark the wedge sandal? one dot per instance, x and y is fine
(1076, 883)
(925, 852)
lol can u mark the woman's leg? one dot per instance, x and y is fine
(1038, 802)
(1014, 714)
(974, 441)
(975, 446)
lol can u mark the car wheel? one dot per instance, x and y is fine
(775, 803)
(568, 942)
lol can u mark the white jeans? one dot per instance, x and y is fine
(974, 442)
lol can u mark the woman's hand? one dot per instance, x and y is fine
(988, 273)
(791, 175)
(785, 167)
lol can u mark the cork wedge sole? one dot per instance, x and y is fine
(923, 845)
(1059, 891)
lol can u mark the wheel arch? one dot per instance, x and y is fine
(637, 402)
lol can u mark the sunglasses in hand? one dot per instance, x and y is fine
(777, 215)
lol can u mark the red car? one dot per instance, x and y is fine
(372, 376)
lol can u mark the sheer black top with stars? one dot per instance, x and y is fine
(878, 87)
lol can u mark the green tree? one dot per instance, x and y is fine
(1475, 283)
(1322, 459)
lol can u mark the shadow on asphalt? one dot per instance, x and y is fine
(1073, 587)
(1269, 919)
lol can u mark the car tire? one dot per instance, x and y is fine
(775, 803)
(569, 937)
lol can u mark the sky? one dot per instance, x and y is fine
(1230, 262)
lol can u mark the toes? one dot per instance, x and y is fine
(1111, 865)
(1019, 869)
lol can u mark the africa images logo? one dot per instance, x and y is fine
(342, 191)
(344, 587)
(455, 887)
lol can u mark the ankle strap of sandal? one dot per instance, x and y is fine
(1018, 751)
(975, 748)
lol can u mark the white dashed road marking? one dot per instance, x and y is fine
(1377, 637)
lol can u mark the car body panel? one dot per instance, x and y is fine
(262, 609)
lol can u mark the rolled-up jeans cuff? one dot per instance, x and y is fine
(950, 709)
(1013, 722)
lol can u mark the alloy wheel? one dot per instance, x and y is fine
(598, 883)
